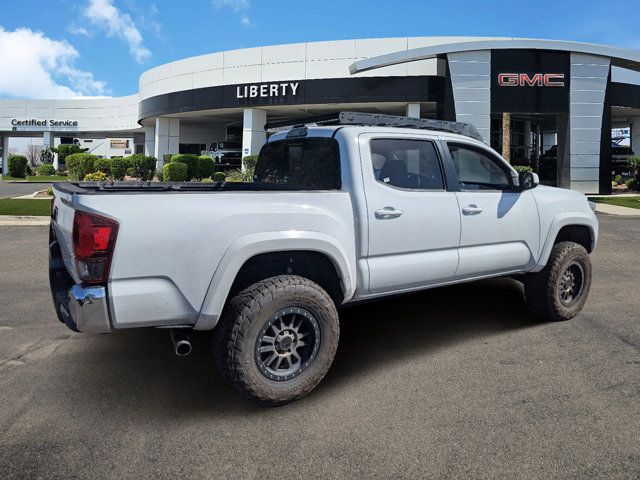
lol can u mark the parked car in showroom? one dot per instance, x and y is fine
(225, 154)
(341, 210)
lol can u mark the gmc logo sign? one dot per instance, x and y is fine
(537, 80)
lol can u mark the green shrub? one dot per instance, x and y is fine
(80, 164)
(205, 166)
(617, 179)
(29, 171)
(118, 167)
(632, 184)
(143, 167)
(102, 165)
(236, 176)
(46, 169)
(166, 158)
(522, 168)
(250, 162)
(130, 171)
(175, 172)
(190, 160)
(50, 191)
(206, 180)
(17, 166)
(95, 177)
(219, 176)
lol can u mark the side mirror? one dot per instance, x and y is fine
(528, 180)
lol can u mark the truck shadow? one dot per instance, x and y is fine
(136, 371)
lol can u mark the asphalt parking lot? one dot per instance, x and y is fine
(453, 383)
(14, 189)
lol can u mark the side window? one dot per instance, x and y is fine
(405, 163)
(478, 170)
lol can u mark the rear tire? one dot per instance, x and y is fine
(277, 339)
(559, 291)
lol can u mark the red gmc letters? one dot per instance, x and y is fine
(536, 80)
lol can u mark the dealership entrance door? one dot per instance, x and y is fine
(538, 141)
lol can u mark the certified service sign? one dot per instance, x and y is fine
(33, 122)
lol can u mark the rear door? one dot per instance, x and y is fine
(414, 222)
(500, 224)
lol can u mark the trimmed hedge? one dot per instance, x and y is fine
(205, 166)
(219, 177)
(102, 165)
(190, 160)
(143, 167)
(175, 172)
(118, 167)
(17, 166)
(46, 169)
(80, 164)
(522, 168)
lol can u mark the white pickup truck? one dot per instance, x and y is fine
(342, 210)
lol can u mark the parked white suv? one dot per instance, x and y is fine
(339, 211)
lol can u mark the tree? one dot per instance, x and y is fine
(33, 154)
(46, 155)
(65, 150)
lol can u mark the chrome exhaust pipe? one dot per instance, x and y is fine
(180, 342)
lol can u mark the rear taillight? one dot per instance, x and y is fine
(94, 239)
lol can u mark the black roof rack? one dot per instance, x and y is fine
(376, 120)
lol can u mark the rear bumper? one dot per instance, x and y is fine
(82, 309)
(88, 309)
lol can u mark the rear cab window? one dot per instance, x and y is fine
(305, 163)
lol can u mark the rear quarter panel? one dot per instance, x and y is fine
(170, 245)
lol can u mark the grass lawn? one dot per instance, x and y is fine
(11, 206)
(39, 178)
(631, 202)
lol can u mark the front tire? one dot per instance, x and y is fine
(559, 291)
(277, 339)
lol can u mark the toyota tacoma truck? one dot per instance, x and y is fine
(342, 209)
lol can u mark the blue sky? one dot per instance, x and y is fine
(66, 48)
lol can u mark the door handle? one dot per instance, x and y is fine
(387, 213)
(472, 210)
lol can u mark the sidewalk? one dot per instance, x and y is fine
(14, 220)
(616, 210)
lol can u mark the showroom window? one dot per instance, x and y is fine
(478, 170)
(404, 163)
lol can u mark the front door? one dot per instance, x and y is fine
(500, 224)
(414, 223)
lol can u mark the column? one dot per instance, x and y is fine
(150, 141)
(471, 83)
(48, 142)
(589, 77)
(166, 138)
(5, 155)
(413, 110)
(634, 123)
(527, 140)
(253, 133)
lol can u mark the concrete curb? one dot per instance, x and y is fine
(16, 220)
(616, 210)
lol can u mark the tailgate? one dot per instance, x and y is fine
(62, 226)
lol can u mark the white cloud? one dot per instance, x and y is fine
(78, 30)
(237, 6)
(35, 66)
(103, 14)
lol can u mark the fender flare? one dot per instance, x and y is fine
(248, 246)
(564, 220)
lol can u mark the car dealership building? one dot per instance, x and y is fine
(562, 99)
